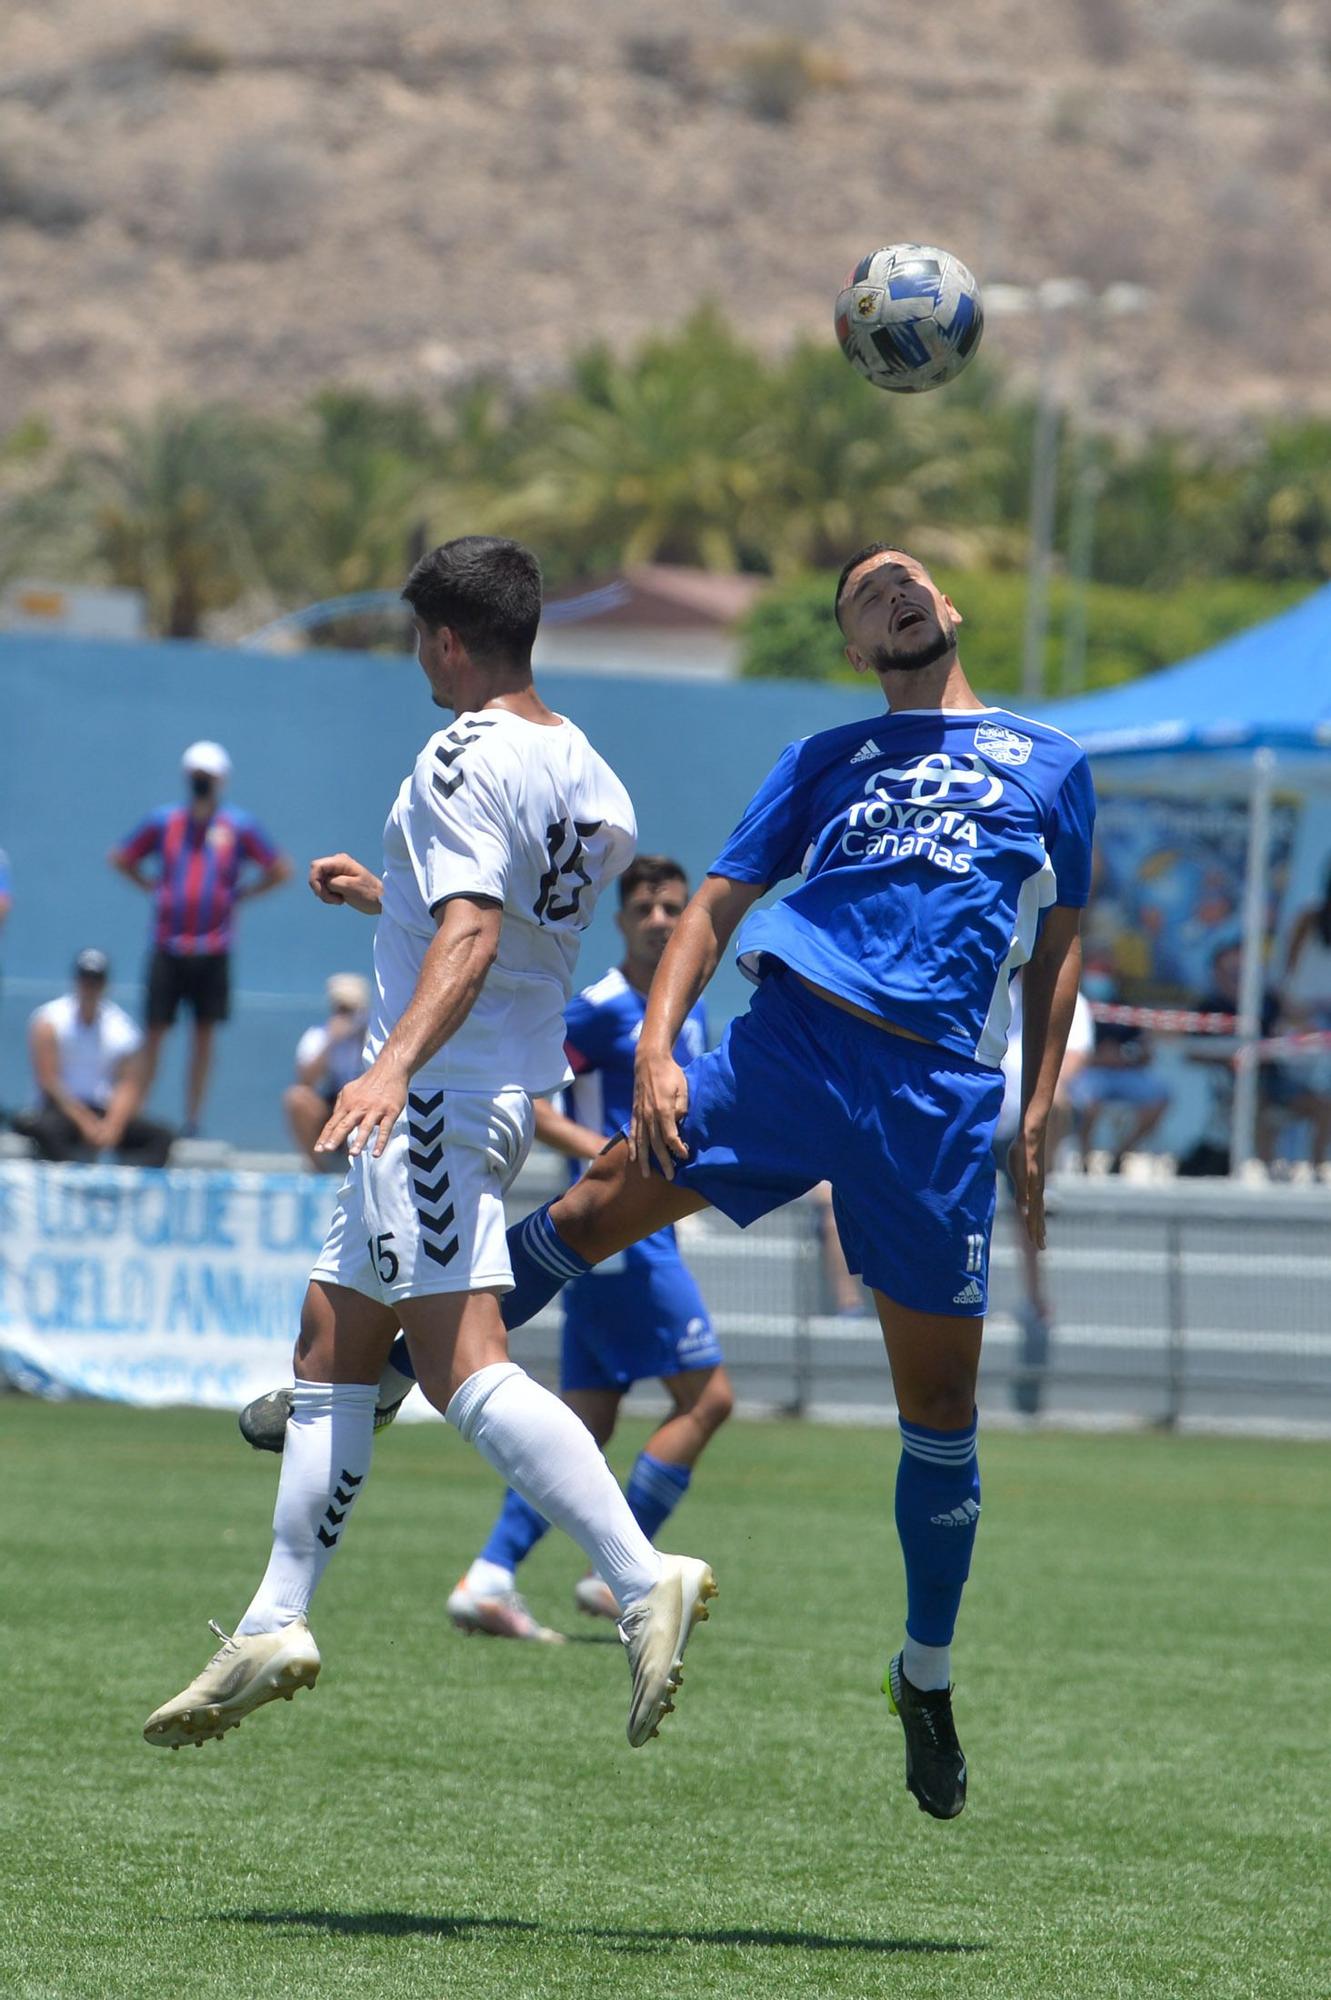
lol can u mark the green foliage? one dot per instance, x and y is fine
(791, 633)
(695, 449)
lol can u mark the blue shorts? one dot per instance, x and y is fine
(799, 1092)
(637, 1325)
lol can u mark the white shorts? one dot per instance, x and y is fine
(428, 1215)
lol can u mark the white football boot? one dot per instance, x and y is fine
(243, 1673)
(593, 1595)
(655, 1632)
(501, 1613)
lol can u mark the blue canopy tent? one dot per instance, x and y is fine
(1252, 711)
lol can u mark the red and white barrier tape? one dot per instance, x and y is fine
(1166, 1020)
(1186, 1021)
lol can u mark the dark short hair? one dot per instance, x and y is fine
(861, 556)
(649, 871)
(485, 589)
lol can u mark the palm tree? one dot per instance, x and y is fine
(174, 506)
(648, 459)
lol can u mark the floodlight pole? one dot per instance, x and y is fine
(1243, 1126)
(1081, 542)
(1044, 481)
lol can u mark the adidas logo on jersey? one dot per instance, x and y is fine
(957, 1517)
(969, 1295)
(865, 752)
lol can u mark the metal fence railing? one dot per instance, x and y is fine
(1176, 1301)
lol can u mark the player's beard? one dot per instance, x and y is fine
(884, 660)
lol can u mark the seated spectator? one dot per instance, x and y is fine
(1118, 1071)
(328, 1056)
(86, 1058)
(1285, 1091)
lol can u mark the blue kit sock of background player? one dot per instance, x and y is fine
(937, 1508)
(517, 1529)
(654, 1491)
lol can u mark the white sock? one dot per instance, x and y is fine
(544, 1451)
(926, 1667)
(330, 1435)
(489, 1579)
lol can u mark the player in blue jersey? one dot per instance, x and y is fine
(938, 846)
(640, 1315)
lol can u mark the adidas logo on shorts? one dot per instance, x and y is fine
(969, 1295)
(865, 752)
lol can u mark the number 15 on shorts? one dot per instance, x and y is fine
(384, 1260)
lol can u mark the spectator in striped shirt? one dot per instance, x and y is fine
(199, 849)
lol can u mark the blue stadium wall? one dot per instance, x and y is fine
(91, 740)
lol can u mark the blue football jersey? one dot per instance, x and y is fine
(602, 1025)
(929, 843)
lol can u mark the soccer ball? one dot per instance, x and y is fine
(909, 317)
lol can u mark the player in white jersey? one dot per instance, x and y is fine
(494, 854)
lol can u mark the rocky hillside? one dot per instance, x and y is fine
(253, 199)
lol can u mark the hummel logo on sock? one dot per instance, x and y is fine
(865, 751)
(969, 1295)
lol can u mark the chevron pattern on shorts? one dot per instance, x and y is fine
(425, 1128)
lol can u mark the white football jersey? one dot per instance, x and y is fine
(531, 816)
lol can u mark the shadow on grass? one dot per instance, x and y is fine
(405, 1923)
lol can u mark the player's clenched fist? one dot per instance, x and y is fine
(338, 878)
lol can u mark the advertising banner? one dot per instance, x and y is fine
(154, 1288)
(1168, 890)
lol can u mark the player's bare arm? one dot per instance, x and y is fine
(452, 974)
(565, 1135)
(660, 1094)
(338, 878)
(133, 871)
(1049, 997)
(272, 877)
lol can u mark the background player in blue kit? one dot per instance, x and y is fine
(940, 846)
(638, 1317)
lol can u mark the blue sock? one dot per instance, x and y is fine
(517, 1529)
(542, 1265)
(399, 1357)
(654, 1491)
(938, 1506)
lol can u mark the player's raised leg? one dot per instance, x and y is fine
(486, 1597)
(935, 1360)
(459, 1349)
(610, 1207)
(344, 1339)
(662, 1472)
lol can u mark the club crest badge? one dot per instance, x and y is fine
(1004, 745)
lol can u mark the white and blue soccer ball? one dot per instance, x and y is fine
(909, 317)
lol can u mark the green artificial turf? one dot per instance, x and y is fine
(1141, 1692)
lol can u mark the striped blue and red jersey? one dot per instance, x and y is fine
(199, 873)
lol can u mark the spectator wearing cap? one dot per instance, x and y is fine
(328, 1055)
(88, 1065)
(200, 849)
